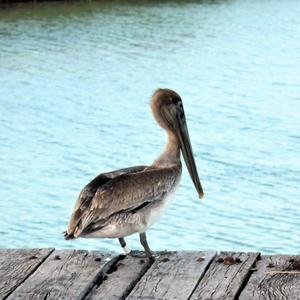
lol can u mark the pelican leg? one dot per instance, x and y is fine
(142, 254)
(123, 245)
(143, 240)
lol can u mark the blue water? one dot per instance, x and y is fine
(75, 83)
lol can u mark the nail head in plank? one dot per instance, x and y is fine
(173, 275)
(16, 265)
(121, 279)
(66, 274)
(276, 277)
(225, 276)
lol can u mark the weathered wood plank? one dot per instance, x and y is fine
(277, 277)
(121, 279)
(18, 264)
(65, 274)
(172, 276)
(226, 276)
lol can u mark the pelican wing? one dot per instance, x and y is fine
(126, 192)
(86, 196)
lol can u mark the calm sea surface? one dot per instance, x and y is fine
(75, 83)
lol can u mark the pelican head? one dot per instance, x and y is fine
(168, 111)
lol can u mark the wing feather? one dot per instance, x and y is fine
(127, 192)
(87, 194)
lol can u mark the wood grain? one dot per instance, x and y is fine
(121, 279)
(226, 276)
(78, 274)
(173, 275)
(18, 264)
(276, 277)
(65, 274)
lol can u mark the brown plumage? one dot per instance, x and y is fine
(119, 203)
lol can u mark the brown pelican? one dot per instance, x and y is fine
(119, 203)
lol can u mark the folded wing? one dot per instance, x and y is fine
(87, 194)
(109, 194)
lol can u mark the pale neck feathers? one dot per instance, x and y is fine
(171, 154)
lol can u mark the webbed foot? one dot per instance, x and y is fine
(141, 254)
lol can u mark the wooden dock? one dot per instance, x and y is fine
(79, 274)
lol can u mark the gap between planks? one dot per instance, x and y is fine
(14, 273)
(124, 277)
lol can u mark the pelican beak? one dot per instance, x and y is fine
(175, 116)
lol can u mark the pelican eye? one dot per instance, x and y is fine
(181, 114)
(180, 109)
(176, 101)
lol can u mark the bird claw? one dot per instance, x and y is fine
(141, 254)
(137, 254)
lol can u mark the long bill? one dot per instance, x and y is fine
(177, 119)
(186, 148)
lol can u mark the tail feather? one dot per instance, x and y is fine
(68, 236)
